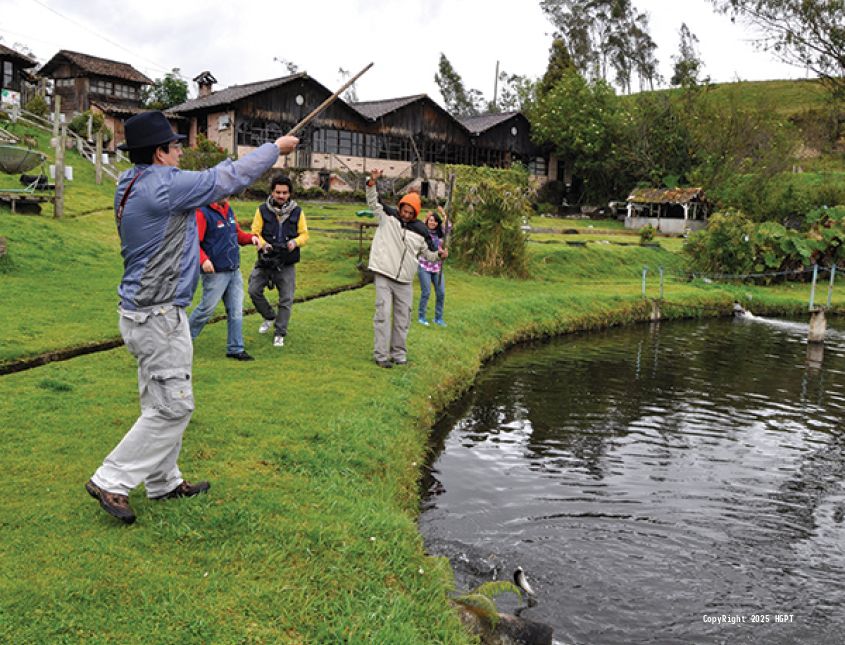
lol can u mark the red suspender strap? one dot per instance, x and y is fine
(119, 215)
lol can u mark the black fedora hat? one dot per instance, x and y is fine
(148, 129)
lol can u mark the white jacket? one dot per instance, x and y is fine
(395, 249)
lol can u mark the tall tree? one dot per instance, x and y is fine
(604, 37)
(581, 120)
(515, 93)
(289, 65)
(805, 33)
(166, 92)
(458, 100)
(560, 61)
(645, 61)
(351, 93)
(688, 64)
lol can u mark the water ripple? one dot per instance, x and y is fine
(652, 476)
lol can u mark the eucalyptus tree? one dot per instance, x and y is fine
(458, 100)
(516, 92)
(688, 63)
(604, 36)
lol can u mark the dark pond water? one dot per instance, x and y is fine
(653, 479)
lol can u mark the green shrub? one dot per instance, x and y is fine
(79, 125)
(733, 244)
(38, 106)
(205, 154)
(646, 234)
(723, 247)
(785, 197)
(488, 210)
(553, 193)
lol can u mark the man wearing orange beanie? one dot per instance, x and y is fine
(393, 259)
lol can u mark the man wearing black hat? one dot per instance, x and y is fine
(154, 211)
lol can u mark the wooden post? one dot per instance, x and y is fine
(655, 311)
(818, 325)
(57, 115)
(59, 206)
(98, 164)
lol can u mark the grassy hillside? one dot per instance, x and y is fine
(786, 97)
(83, 195)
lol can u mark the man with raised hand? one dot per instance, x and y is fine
(155, 204)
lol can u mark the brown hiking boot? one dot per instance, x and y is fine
(114, 504)
(185, 489)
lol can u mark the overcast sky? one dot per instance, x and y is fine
(238, 40)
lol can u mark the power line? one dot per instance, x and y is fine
(99, 35)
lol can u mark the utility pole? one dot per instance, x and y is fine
(496, 84)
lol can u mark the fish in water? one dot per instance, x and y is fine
(521, 581)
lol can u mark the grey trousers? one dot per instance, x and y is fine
(391, 335)
(285, 280)
(161, 341)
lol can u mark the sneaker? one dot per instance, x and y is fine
(386, 364)
(240, 356)
(279, 341)
(439, 322)
(423, 321)
(400, 361)
(185, 489)
(114, 504)
(265, 326)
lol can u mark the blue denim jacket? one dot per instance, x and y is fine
(158, 229)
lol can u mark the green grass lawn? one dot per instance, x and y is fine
(576, 224)
(308, 533)
(61, 276)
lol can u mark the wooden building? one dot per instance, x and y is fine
(406, 137)
(15, 79)
(87, 82)
(242, 117)
(669, 210)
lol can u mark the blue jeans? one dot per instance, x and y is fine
(427, 278)
(229, 286)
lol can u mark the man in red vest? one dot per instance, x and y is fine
(220, 260)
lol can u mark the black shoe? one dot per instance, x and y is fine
(240, 356)
(114, 504)
(404, 361)
(185, 490)
(387, 364)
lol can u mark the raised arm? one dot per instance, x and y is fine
(372, 193)
(191, 190)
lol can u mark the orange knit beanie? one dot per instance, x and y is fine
(413, 200)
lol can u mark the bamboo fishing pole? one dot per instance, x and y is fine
(327, 102)
(448, 207)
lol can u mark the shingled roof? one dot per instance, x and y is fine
(483, 122)
(376, 109)
(235, 93)
(666, 195)
(23, 59)
(95, 65)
